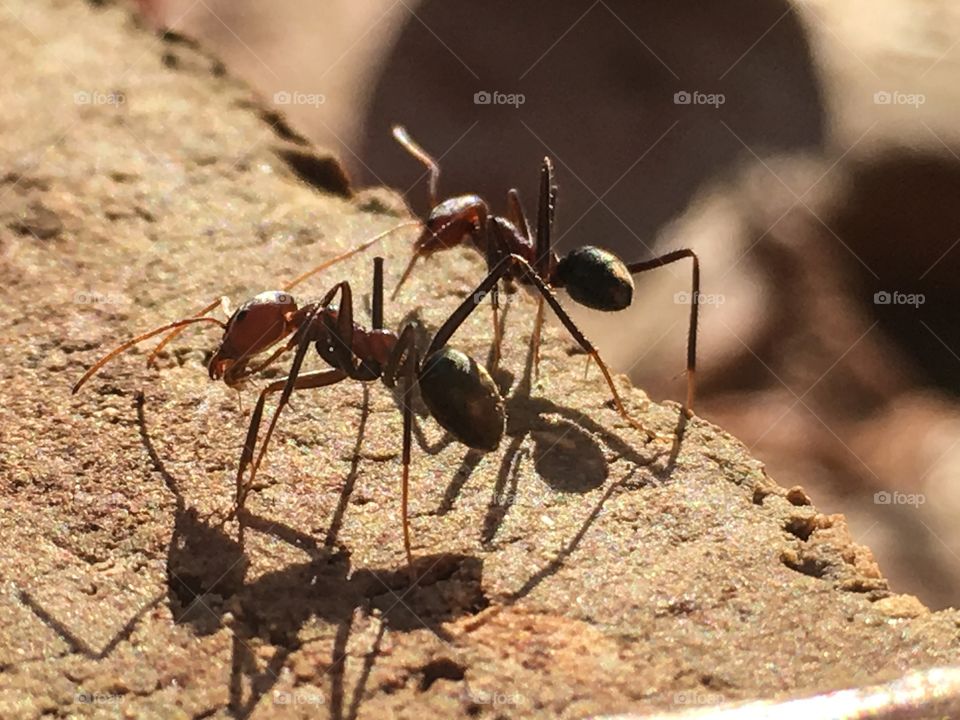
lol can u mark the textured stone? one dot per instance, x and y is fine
(577, 570)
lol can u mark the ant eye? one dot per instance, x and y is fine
(238, 317)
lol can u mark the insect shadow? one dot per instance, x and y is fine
(567, 452)
(206, 568)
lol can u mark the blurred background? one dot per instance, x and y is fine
(807, 150)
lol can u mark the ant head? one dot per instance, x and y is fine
(595, 278)
(255, 326)
(463, 399)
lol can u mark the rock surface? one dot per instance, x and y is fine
(575, 571)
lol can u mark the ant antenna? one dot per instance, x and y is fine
(409, 144)
(140, 338)
(151, 359)
(349, 254)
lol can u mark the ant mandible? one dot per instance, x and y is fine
(592, 276)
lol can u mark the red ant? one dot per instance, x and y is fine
(460, 394)
(591, 276)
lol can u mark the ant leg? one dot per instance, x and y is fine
(492, 255)
(264, 365)
(535, 339)
(342, 336)
(546, 208)
(515, 213)
(543, 251)
(376, 304)
(403, 359)
(318, 379)
(409, 381)
(401, 135)
(308, 333)
(497, 337)
(661, 261)
(140, 338)
(505, 266)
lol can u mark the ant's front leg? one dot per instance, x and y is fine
(318, 379)
(308, 333)
(661, 261)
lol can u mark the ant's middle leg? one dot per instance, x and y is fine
(543, 255)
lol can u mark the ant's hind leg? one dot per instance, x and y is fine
(535, 339)
(666, 259)
(551, 299)
(456, 319)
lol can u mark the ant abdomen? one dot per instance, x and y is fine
(463, 399)
(595, 278)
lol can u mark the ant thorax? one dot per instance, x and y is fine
(504, 238)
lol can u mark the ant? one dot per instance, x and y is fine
(591, 276)
(459, 393)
